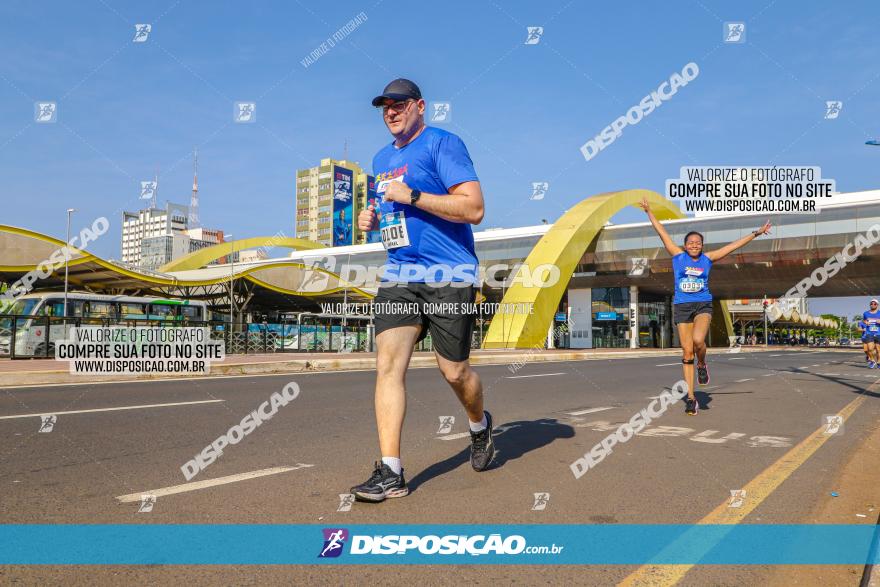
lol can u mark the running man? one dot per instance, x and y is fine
(430, 198)
(692, 302)
(871, 318)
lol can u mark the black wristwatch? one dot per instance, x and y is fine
(414, 197)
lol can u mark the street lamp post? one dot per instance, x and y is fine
(67, 258)
(231, 281)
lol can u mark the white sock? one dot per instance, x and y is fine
(479, 426)
(393, 463)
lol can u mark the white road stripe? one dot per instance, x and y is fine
(455, 436)
(667, 364)
(590, 411)
(195, 485)
(207, 401)
(737, 358)
(775, 355)
(744, 380)
(538, 375)
(769, 374)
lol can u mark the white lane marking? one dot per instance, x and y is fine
(816, 365)
(589, 411)
(769, 374)
(829, 374)
(207, 401)
(775, 355)
(744, 380)
(196, 485)
(455, 436)
(667, 364)
(538, 375)
(737, 358)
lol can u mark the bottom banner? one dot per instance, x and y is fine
(611, 544)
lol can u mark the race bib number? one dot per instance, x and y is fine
(873, 328)
(393, 229)
(691, 285)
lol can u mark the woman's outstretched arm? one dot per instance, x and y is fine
(727, 249)
(664, 236)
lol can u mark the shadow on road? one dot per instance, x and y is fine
(857, 388)
(512, 440)
(704, 398)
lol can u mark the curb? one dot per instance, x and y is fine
(25, 378)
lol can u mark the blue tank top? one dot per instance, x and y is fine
(872, 323)
(691, 279)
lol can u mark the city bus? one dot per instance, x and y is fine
(33, 310)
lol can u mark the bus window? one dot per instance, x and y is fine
(132, 311)
(161, 311)
(191, 312)
(22, 307)
(100, 309)
(53, 308)
(74, 308)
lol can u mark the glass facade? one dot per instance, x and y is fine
(610, 308)
(654, 324)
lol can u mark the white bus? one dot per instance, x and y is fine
(30, 333)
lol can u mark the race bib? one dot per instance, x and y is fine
(393, 229)
(691, 285)
(873, 328)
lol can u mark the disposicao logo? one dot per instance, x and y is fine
(334, 540)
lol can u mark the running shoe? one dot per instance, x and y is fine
(703, 374)
(482, 447)
(383, 483)
(872, 365)
(691, 407)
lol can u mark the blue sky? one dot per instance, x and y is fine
(523, 110)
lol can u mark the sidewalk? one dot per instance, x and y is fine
(48, 371)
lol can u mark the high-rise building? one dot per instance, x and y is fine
(328, 200)
(150, 223)
(153, 237)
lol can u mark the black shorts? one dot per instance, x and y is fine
(686, 312)
(444, 311)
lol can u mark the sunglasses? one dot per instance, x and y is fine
(396, 107)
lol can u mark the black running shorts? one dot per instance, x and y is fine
(445, 311)
(686, 312)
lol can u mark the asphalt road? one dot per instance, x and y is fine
(757, 406)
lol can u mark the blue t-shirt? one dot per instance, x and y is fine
(864, 328)
(872, 323)
(433, 163)
(691, 279)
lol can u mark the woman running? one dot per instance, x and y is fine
(692, 303)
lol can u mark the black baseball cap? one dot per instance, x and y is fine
(398, 90)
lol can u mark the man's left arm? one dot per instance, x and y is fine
(463, 203)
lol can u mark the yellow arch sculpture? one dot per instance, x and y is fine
(202, 257)
(562, 246)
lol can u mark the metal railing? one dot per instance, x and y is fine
(34, 337)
